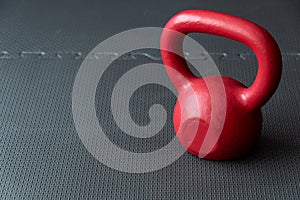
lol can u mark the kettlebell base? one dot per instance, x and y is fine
(241, 129)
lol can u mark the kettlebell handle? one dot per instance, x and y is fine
(257, 38)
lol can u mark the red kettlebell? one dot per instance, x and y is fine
(243, 118)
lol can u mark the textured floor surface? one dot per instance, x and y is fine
(43, 43)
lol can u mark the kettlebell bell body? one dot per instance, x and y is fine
(193, 111)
